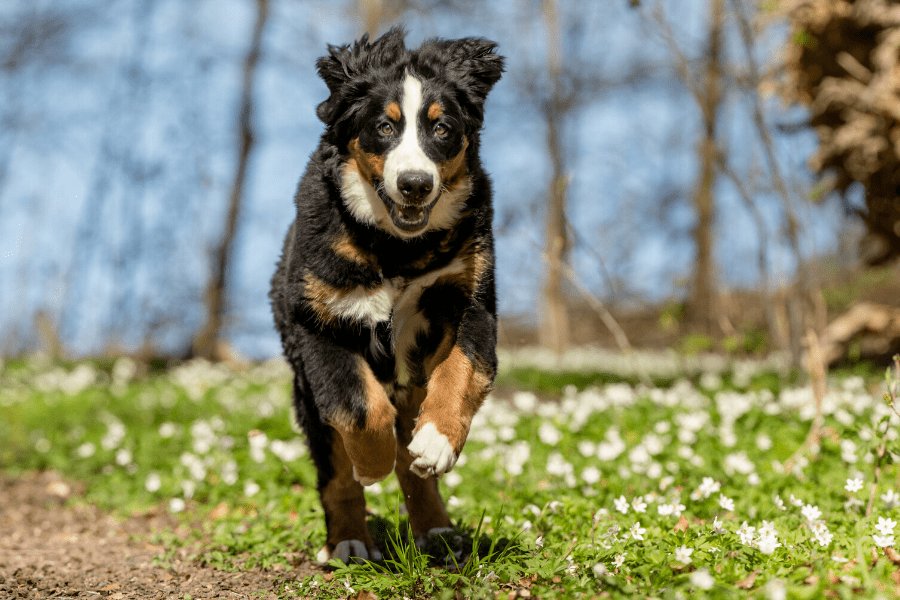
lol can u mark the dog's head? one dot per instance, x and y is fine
(406, 123)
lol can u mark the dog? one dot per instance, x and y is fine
(384, 294)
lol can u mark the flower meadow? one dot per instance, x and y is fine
(594, 475)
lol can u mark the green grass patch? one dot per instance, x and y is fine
(572, 483)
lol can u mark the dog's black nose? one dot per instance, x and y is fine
(415, 185)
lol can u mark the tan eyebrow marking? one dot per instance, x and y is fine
(435, 111)
(392, 110)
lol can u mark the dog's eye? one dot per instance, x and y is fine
(386, 129)
(441, 130)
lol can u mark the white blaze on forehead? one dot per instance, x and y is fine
(408, 155)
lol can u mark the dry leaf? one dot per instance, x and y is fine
(747, 582)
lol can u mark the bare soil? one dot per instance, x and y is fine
(51, 547)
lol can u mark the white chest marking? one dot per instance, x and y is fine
(371, 306)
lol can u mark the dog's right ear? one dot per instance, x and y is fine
(334, 71)
(345, 63)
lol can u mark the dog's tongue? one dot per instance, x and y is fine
(411, 213)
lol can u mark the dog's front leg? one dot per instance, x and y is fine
(457, 386)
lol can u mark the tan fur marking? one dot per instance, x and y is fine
(343, 501)
(317, 293)
(435, 110)
(455, 391)
(476, 262)
(440, 353)
(392, 110)
(372, 449)
(423, 500)
(345, 248)
(370, 166)
(453, 170)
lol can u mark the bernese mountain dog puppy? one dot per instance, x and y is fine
(384, 294)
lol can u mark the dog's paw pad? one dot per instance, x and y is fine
(345, 551)
(432, 452)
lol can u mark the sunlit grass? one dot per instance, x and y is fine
(597, 484)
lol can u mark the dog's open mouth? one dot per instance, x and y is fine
(407, 217)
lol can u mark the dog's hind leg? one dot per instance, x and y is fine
(423, 500)
(341, 495)
(345, 511)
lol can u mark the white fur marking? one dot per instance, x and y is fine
(432, 451)
(362, 201)
(362, 304)
(408, 154)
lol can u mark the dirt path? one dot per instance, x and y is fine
(50, 550)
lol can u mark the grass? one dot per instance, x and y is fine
(574, 481)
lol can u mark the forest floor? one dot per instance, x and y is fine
(656, 474)
(54, 545)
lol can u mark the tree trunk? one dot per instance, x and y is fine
(206, 342)
(554, 326)
(372, 14)
(702, 302)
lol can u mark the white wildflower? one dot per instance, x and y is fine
(821, 534)
(621, 504)
(702, 579)
(619, 560)
(890, 499)
(885, 526)
(548, 434)
(726, 503)
(599, 570)
(811, 512)
(590, 475)
(776, 590)
(176, 505)
(854, 485)
(152, 483)
(251, 488)
(683, 555)
(637, 532)
(123, 457)
(639, 505)
(708, 487)
(746, 533)
(86, 450)
(883, 541)
(167, 430)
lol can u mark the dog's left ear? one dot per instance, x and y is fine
(476, 60)
(474, 63)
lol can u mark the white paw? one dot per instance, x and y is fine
(347, 549)
(366, 481)
(432, 452)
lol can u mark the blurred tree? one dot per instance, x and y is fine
(702, 303)
(207, 341)
(554, 326)
(843, 63)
